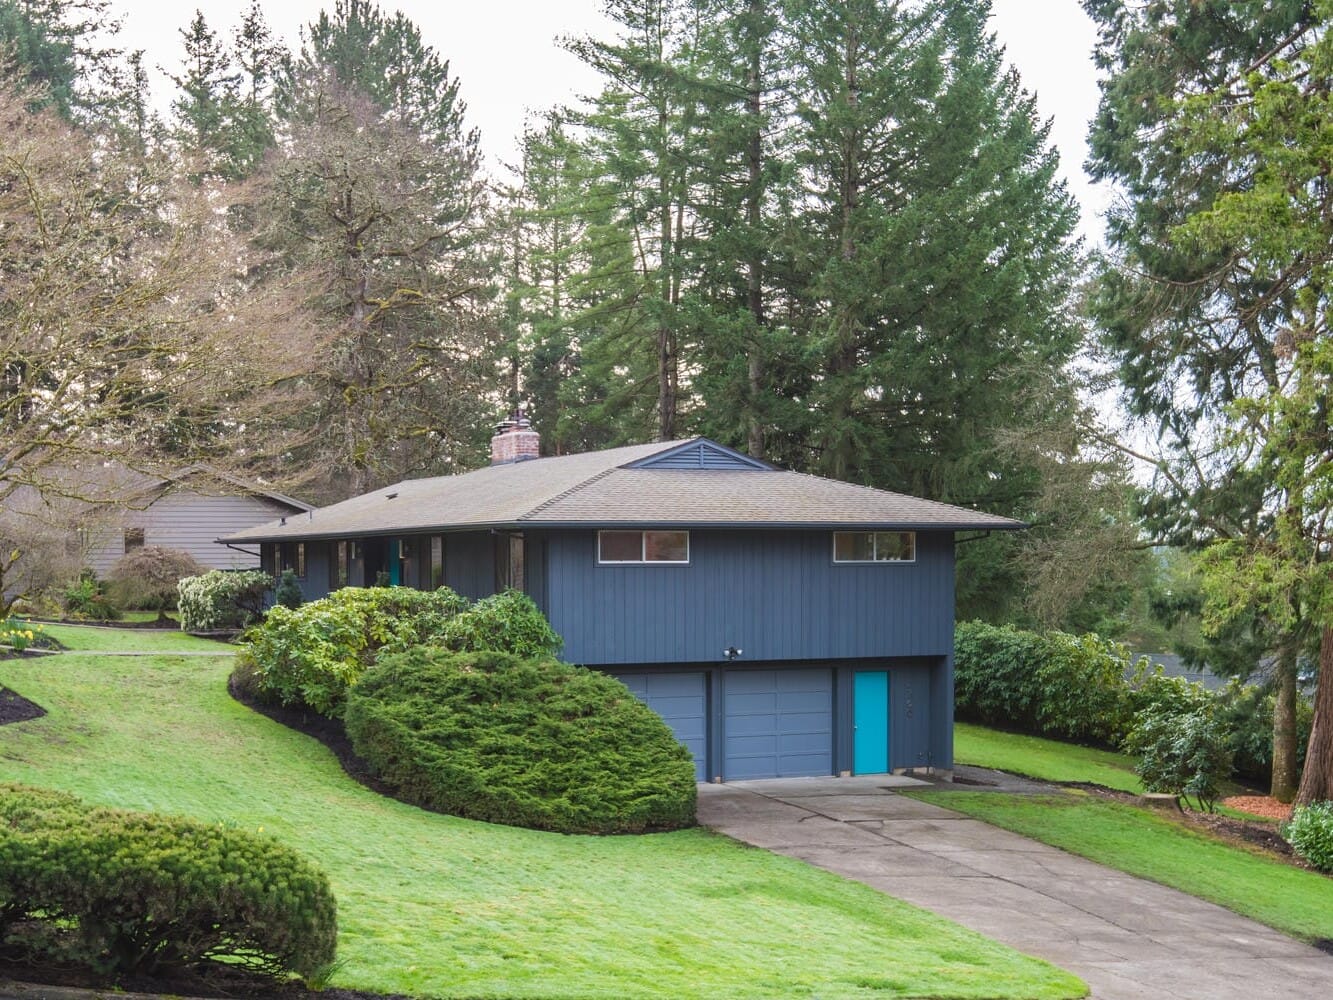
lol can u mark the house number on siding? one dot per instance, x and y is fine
(908, 699)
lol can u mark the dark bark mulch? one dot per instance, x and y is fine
(16, 708)
(212, 980)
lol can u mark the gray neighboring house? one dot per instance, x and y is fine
(187, 510)
(782, 624)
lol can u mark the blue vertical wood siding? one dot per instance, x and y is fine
(469, 563)
(776, 595)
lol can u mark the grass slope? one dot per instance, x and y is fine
(1143, 843)
(104, 639)
(432, 905)
(1046, 760)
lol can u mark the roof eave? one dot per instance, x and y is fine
(251, 538)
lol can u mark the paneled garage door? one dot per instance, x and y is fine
(679, 698)
(778, 723)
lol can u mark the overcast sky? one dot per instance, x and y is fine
(504, 52)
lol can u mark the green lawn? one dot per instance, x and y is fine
(1144, 843)
(432, 905)
(1046, 760)
(113, 640)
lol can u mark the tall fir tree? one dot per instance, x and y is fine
(1191, 323)
(376, 204)
(65, 54)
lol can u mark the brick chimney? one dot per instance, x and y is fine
(514, 440)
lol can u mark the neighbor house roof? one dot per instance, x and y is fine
(640, 486)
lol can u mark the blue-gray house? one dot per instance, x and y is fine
(782, 624)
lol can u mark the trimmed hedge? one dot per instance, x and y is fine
(312, 655)
(525, 742)
(1049, 683)
(128, 892)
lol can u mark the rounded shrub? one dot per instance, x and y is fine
(508, 621)
(525, 742)
(221, 599)
(128, 892)
(149, 578)
(311, 655)
(1187, 755)
(1310, 834)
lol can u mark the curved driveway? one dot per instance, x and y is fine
(1128, 938)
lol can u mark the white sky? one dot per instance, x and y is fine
(505, 55)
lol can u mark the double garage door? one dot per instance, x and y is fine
(772, 723)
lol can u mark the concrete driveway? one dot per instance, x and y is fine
(1129, 939)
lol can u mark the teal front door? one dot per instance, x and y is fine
(870, 712)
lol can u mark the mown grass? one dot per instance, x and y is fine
(1043, 759)
(430, 905)
(1147, 844)
(103, 639)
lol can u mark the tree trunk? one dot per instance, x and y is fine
(1317, 779)
(754, 195)
(1283, 785)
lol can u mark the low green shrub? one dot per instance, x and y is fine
(1310, 834)
(525, 742)
(1050, 684)
(1187, 755)
(288, 593)
(312, 654)
(127, 892)
(508, 621)
(87, 598)
(221, 599)
(1151, 689)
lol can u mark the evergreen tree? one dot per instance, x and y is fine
(1192, 322)
(385, 59)
(643, 142)
(831, 234)
(61, 50)
(378, 210)
(209, 97)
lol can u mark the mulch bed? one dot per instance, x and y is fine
(212, 981)
(1260, 805)
(16, 708)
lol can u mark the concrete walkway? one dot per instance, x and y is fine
(1129, 939)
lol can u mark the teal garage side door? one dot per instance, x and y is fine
(681, 700)
(777, 723)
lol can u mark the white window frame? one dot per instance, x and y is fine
(643, 559)
(872, 561)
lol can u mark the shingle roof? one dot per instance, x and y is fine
(595, 489)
